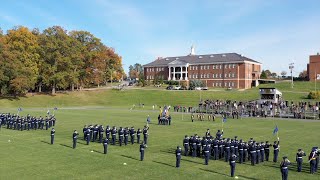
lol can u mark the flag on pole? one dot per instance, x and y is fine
(275, 130)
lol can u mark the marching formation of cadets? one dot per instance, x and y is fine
(222, 148)
(95, 133)
(164, 120)
(230, 150)
(16, 122)
(234, 150)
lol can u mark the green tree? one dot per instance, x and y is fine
(283, 74)
(303, 75)
(195, 83)
(263, 75)
(56, 58)
(135, 71)
(23, 46)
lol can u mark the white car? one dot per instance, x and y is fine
(197, 88)
(177, 87)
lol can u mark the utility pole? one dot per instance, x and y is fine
(291, 69)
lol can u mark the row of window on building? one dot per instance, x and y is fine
(152, 77)
(155, 69)
(226, 84)
(215, 66)
(195, 76)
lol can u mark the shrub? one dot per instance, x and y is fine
(314, 95)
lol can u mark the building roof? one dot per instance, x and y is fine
(202, 59)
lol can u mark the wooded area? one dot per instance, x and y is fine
(53, 59)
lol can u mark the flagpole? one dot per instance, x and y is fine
(315, 80)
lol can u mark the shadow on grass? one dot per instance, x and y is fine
(163, 163)
(130, 157)
(82, 143)
(245, 177)
(191, 161)
(215, 172)
(45, 142)
(97, 152)
(292, 167)
(66, 146)
(169, 151)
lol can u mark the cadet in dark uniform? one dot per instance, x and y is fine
(227, 150)
(101, 132)
(206, 154)
(275, 150)
(126, 135)
(215, 149)
(317, 158)
(240, 148)
(113, 134)
(284, 168)
(253, 153)
(47, 124)
(267, 150)
(52, 135)
(84, 130)
(258, 153)
(145, 135)
(75, 137)
(219, 134)
(108, 130)
(194, 146)
(95, 133)
(132, 132)
(178, 156)
(138, 135)
(299, 159)
(198, 146)
(142, 146)
(232, 162)
(245, 151)
(120, 133)
(105, 145)
(262, 152)
(88, 135)
(312, 160)
(186, 145)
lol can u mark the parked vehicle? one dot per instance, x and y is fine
(169, 87)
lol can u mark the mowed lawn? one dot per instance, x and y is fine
(29, 156)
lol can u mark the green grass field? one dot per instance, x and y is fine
(29, 156)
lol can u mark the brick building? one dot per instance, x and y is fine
(215, 70)
(313, 68)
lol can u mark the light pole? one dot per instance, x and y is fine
(291, 68)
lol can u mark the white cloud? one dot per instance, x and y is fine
(9, 19)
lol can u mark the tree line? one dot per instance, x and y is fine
(267, 74)
(53, 59)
